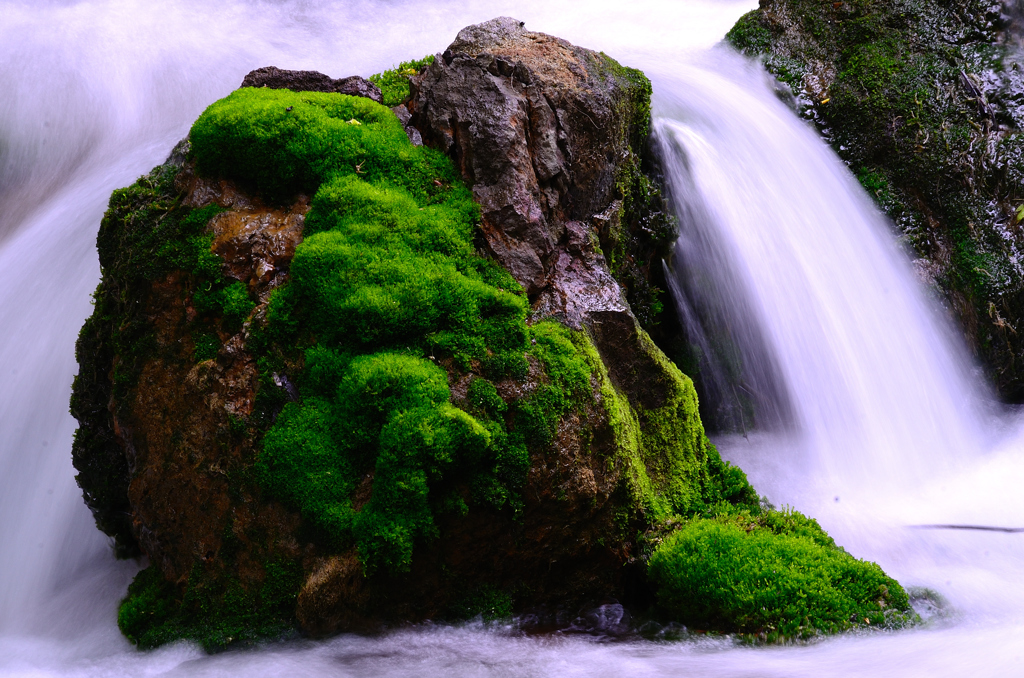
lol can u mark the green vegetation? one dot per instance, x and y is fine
(388, 297)
(641, 234)
(749, 34)
(214, 613)
(385, 283)
(394, 83)
(771, 576)
(486, 601)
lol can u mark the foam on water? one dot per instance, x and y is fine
(871, 397)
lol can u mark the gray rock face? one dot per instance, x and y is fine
(540, 129)
(311, 81)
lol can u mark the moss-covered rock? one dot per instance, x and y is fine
(921, 100)
(310, 400)
(771, 575)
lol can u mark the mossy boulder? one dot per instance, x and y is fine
(770, 575)
(316, 395)
(922, 101)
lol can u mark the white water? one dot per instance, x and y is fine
(882, 411)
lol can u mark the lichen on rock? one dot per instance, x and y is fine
(338, 380)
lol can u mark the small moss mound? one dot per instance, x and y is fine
(394, 83)
(774, 576)
(216, 614)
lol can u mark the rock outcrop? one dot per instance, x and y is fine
(337, 380)
(311, 81)
(923, 101)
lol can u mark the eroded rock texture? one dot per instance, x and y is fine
(540, 129)
(546, 134)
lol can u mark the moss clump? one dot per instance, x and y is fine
(568, 372)
(214, 613)
(749, 34)
(671, 468)
(774, 576)
(394, 83)
(279, 143)
(485, 601)
(385, 283)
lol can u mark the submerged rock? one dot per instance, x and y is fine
(923, 101)
(310, 400)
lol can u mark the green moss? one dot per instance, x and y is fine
(280, 143)
(485, 601)
(385, 282)
(749, 35)
(669, 466)
(637, 88)
(774, 577)
(641, 233)
(206, 344)
(216, 613)
(568, 382)
(394, 83)
(484, 399)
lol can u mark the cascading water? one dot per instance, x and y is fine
(789, 242)
(874, 420)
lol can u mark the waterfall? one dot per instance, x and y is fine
(780, 245)
(885, 427)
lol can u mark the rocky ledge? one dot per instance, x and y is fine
(335, 380)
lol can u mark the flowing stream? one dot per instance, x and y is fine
(873, 419)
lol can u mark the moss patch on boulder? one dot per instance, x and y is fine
(394, 82)
(215, 614)
(771, 576)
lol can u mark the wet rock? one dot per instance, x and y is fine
(540, 129)
(179, 395)
(311, 81)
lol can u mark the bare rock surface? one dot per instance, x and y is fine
(539, 128)
(311, 81)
